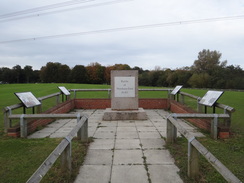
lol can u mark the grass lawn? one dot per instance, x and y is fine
(19, 158)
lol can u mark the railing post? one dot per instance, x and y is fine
(193, 160)
(74, 94)
(39, 108)
(171, 132)
(84, 132)
(23, 126)
(199, 106)
(7, 121)
(182, 99)
(66, 157)
(57, 99)
(168, 94)
(214, 127)
(227, 121)
(109, 93)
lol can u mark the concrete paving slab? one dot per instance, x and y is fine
(91, 131)
(126, 124)
(109, 123)
(47, 130)
(106, 129)
(152, 143)
(164, 174)
(127, 135)
(102, 144)
(38, 135)
(64, 130)
(144, 123)
(104, 135)
(126, 129)
(127, 144)
(149, 135)
(128, 157)
(59, 134)
(120, 145)
(94, 174)
(129, 174)
(146, 129)
(155, 157)
(98, 157)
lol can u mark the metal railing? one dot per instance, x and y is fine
(227, 109)
(7, 111)
(195, 147)
(64, 148)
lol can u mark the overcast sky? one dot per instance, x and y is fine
(168, 46)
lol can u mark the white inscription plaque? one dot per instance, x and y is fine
(124, 86)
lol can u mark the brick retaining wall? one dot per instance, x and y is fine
(64, 107)
(149, 103)
(146, 103)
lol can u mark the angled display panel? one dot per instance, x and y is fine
(64, 90)
(210, 98)
(28, 99)
(176, 90)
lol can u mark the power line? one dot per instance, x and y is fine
(43, 8)
(64, 10)
(127, 28)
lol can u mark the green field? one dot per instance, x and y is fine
(18, 156)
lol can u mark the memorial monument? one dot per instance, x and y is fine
(124, 97)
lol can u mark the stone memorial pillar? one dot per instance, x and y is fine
(124, 98)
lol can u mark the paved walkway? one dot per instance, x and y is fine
(123, 151)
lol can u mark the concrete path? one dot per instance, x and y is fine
(128, 151)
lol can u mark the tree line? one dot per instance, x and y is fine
(207, 71)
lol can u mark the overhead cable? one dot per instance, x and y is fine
(128, 28)
(44, 8)
(65, 10)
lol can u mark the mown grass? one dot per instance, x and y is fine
(19, 157)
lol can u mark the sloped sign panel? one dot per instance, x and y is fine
(176, 90)
(210, 98)
(28, 99)
(64, 90)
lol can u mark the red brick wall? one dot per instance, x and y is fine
(69, 105)
(92, 103)
(106, 103)
(176, 107)
(34, 124)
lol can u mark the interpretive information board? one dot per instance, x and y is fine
(124, 86)
(210, 98)
(64, 90)
(176, 90)
(28, 99)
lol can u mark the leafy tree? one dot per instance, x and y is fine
(199, 80)
(7, 75)
(208, 61)
(63, 74)
(140, 70)
(28, 72)
(121, 67)
(49, 73)
(79, 74)
(18, 73)
(107, 74)
(95, 73)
